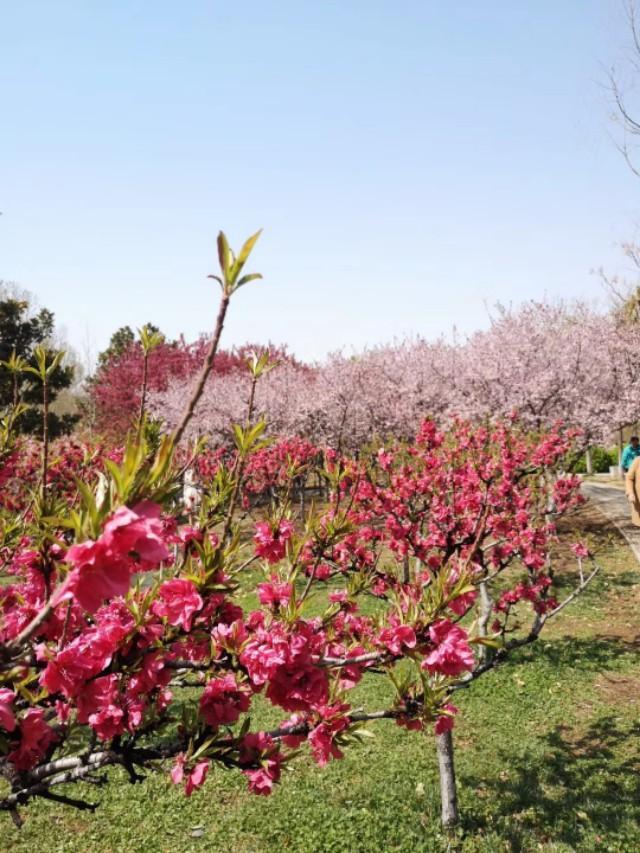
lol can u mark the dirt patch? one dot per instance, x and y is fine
(620, 610)
(589, 525)
(625, 633)
(614, 617)
(589, 520)
(616, 689)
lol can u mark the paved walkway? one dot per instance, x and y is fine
(612, 501)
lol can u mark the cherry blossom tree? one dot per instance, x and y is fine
(549, 363)
(544, 362)
(115, 389)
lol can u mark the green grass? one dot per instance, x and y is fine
(548, 756)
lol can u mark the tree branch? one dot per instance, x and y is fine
(206, 369)
(532, 636)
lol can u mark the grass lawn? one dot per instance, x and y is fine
(548, 758)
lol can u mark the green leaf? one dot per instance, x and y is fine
(114, 470)
(223, 254)
(57, 358)
(239, 436)
(247, 278)
(489, 642)
(218, 279)
(150, 339)
(245, 251)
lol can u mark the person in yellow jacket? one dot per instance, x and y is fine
(632, 482)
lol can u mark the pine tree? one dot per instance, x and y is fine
(20, 333)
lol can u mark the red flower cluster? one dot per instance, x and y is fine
(271, 539)
(417, 526)
(133, 541)
(222, 701)
(453, 654)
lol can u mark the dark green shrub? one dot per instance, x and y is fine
(601, 457)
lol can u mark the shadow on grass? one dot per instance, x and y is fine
(585, 785)
(622, 582)
(628, 578)
(588, 654)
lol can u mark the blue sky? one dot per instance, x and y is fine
(410, 162)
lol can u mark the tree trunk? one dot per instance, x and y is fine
(620, 448)
(406, 569)
(45, 437)
(486, 608)
(143, 393)
(448, 793)
(302, 485)
(589, 460)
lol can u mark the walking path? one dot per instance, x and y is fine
(612, 501)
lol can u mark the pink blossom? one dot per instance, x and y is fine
(385, 460)
(138, 531)
(380, 587)
(298, 687)
(178, 601)
(338, 596)
(274, 593)
(322, 737)
(152, 674)
(261, 781)
(63, 710)
(261, 659)
(192, 649)
(580, 550)
(351, 674)
(98, 705)
(195, 778)
(98, 574)
(453, 654)
(444, 723)
(177, 771)
(132, 540)
(7, 719)
(285, 659)
(271, 541)
(461, 603)
(230, 637)
(190, 534)
(35, 738)
(223, 700)
(83, 658)
(395, 637)
(260, 748)
(323, 572)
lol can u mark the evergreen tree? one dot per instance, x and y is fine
(121, 340)
(20, 334)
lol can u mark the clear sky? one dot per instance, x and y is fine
(410, 161)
